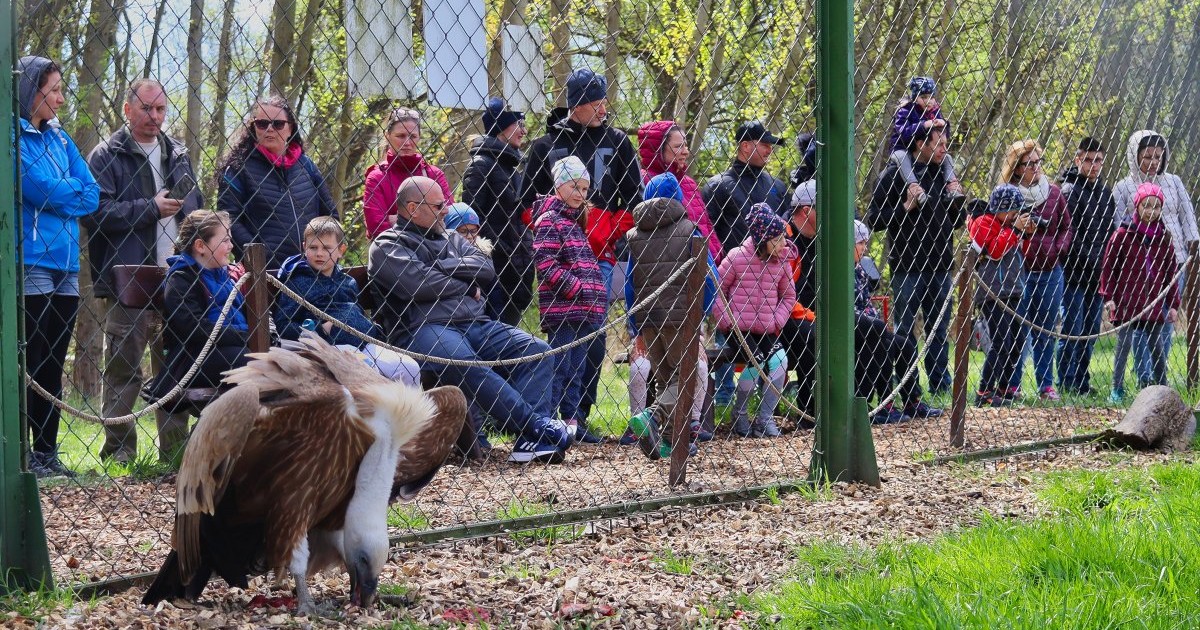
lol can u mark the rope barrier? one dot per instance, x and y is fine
(1115, 329)
(156, 405)
(479, 363)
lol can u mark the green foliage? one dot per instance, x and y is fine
(1118, 551)
(407, 517)
(673, 563)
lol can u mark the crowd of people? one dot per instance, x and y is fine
(575, 219)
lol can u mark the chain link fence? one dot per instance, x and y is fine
(379, 91)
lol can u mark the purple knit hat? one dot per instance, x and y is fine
(763, 224)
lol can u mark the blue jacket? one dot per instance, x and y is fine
(336, 294)
(56, 189)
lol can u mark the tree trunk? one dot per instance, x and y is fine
(40, 29)
(785, 86)
(560, 41)
(195, 70)
(216, 129)
(717, 63)
(1162, 71)
(147, 69)
(302, 70)
(281, 42)
(100, 40)
(612, 55)
(687, 76)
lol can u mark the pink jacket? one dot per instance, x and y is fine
(384, 179)
(651, 136)
(760, 293)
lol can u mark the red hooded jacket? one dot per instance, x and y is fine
(651, 137)
(383, 181)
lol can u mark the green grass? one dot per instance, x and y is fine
(670, 562)
(407, 517)
(517, 508)
(1120, 550)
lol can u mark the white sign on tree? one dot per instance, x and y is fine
(379, 42)
(524, 68)
(455, 53)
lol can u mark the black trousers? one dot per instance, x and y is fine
(49, 321)
(882, 358)
(799, 339)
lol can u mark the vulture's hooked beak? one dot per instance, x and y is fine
(363, 583)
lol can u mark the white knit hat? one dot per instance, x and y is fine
(568, 169)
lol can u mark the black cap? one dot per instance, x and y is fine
(755, 131)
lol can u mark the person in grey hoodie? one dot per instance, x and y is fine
(1148, 156)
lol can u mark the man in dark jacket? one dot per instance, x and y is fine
(147, 186)
(921, 245)
(1092, 209)
(429, 283)
(729, 195)
(492, 187)
(616, 184)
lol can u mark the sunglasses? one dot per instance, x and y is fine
(277, 125)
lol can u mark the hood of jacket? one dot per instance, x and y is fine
(298, 262)
(551, 203)
(1131, 155)
(651, 137)
(32, 69)
(655, 213)
(498, 149)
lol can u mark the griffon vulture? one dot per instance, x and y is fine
(309, 444)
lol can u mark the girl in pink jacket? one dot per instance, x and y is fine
(756, 296)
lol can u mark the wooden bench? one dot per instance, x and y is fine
(141, 287)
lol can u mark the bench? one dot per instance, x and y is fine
(141, 287)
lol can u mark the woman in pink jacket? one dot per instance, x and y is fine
(663, 148)
(401, 161)
(756, 296)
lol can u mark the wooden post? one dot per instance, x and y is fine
(681, 433)
(1191, 311)
(258, 300)
(963, 325)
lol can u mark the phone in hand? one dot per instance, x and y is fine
(184, 185)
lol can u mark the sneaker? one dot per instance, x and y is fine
(664, 450)
(48, 465)
(956, 200)
(889, 415)
(649, 440)
(1049, 393)
(1117, 396)
(549, 431)
(629, 438)
(921, 410)
(741, 426)
(765, 428)
(1011, 395)
(699, 434)
(984, 399)
(526, 451)
(583, 436)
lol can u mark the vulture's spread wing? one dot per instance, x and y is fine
(424, 454)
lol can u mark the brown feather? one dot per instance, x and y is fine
(424, 454)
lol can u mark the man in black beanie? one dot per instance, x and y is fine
(492, 187)
(616, 183)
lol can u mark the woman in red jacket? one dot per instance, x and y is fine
(663, 148)
(401, 161)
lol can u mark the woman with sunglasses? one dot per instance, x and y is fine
(1045, 239)
(269, 187)
(400, 161)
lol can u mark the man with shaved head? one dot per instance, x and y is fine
(430, 285)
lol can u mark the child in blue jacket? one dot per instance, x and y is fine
(318, 278)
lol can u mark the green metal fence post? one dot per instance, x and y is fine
(844, 449)
(24, 559)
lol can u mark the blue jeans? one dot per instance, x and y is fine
(1041, 304)
(724, 373)
(1149, 343)
(1082, 311)
(569, 369)
(596, 351)
(924, 291)
(513, 396)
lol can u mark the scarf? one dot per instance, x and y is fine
(290, 156)
(1038, 193)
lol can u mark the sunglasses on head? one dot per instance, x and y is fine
(277, 125)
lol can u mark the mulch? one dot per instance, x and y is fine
(666, 569)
